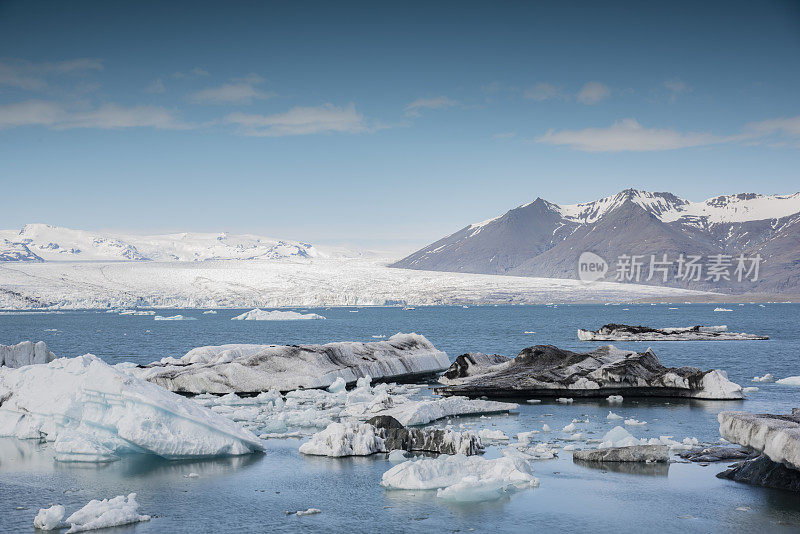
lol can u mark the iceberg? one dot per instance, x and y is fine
(545, 370)
(789, 381)
(775, 436)
(95, 412)
(25, 353)
(107, 513)
(50, 518)
(178, 317)
(426, 411)
(256, 368)
(623, 332)
(766, 378)
(262, 315)
(385, 434)
(462, 478)
(631, 453)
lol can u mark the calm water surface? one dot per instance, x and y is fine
(252, 494)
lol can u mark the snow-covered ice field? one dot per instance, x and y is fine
(287, 282)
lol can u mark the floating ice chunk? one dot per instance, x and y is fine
(569, 447)
(612, 416)
(614, 399)
(107, 513)
(534, 401)
(634, 422)
(526, 437)
(462, 478)
(209, 312)
(338, 385)
(564, 400)
(345, 439)
(276, 315)
(178, 317)
(545, 428)
(570, 428)
(751, 389)
(423, 412)
(766, 378)
(723, 310)
(789, 381)
(255, 368)
(715, 385)
(50, 518)
(137, 312)
(310, 511)
(25, 353)
(492, 435)
(93, 410)
(397, 456)
(540, 451)
(618, 437)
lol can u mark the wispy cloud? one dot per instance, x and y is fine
(106, 117)
(155, 87)
(326, 118)
(628, 135)
(675, 88)
(593, 92)
(542, 91)
(237, 91)
(440, 102)
(34, 76)
(196, 72)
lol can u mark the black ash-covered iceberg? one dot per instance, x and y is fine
(249, 369)
(623, 332)
(545, 370)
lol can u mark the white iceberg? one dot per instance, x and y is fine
(255, 368)
(612, 416)
(25, 353)
(492, 435)
(276, 315)
(425, 411)
(50, 518)
(107, 513)
(178, 317)
(634, 422)
(622, 332)
(766, 378)
(462, 478)
(210, 312)
(345, 439)
(94, 412)
(789, 381)
(723, 310)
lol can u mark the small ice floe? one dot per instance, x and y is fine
(564, 400)
(380, 336)
(50, 518)
(310, 511)
(95, 515)
(575, 437)
(529, 332)
(462, 478)
(525, 438)
(766, 378)
(723, 310)
(789, 381)
(545, 428)
(570, 428)
(612, 416)
(137, 312)
(635, 422)
(619, 437)
(426, 411)
(397, 456)
(192, 475)
(614, 399)
(751, 389)
(492, 435)
(258, 314)
(338, 385)
(569, 447)
(534, 401)
(178, 317)
(540, 451)
(210, 312)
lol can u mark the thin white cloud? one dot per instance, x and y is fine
(155, 87)
(196, 72)
(674, 88)
(439, 102)
(106, 117)
(593, 92)
(326, 118)
(34, 76)
(542, 91)
(237, 91)
(629, 135)
(787, 126)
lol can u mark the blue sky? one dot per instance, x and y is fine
(381, 123)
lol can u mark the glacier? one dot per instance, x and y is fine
(258, 368)
(94, 412)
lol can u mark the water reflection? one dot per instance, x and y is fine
(656, 469)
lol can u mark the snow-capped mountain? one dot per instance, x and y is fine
(42, 242)
(545, 239)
